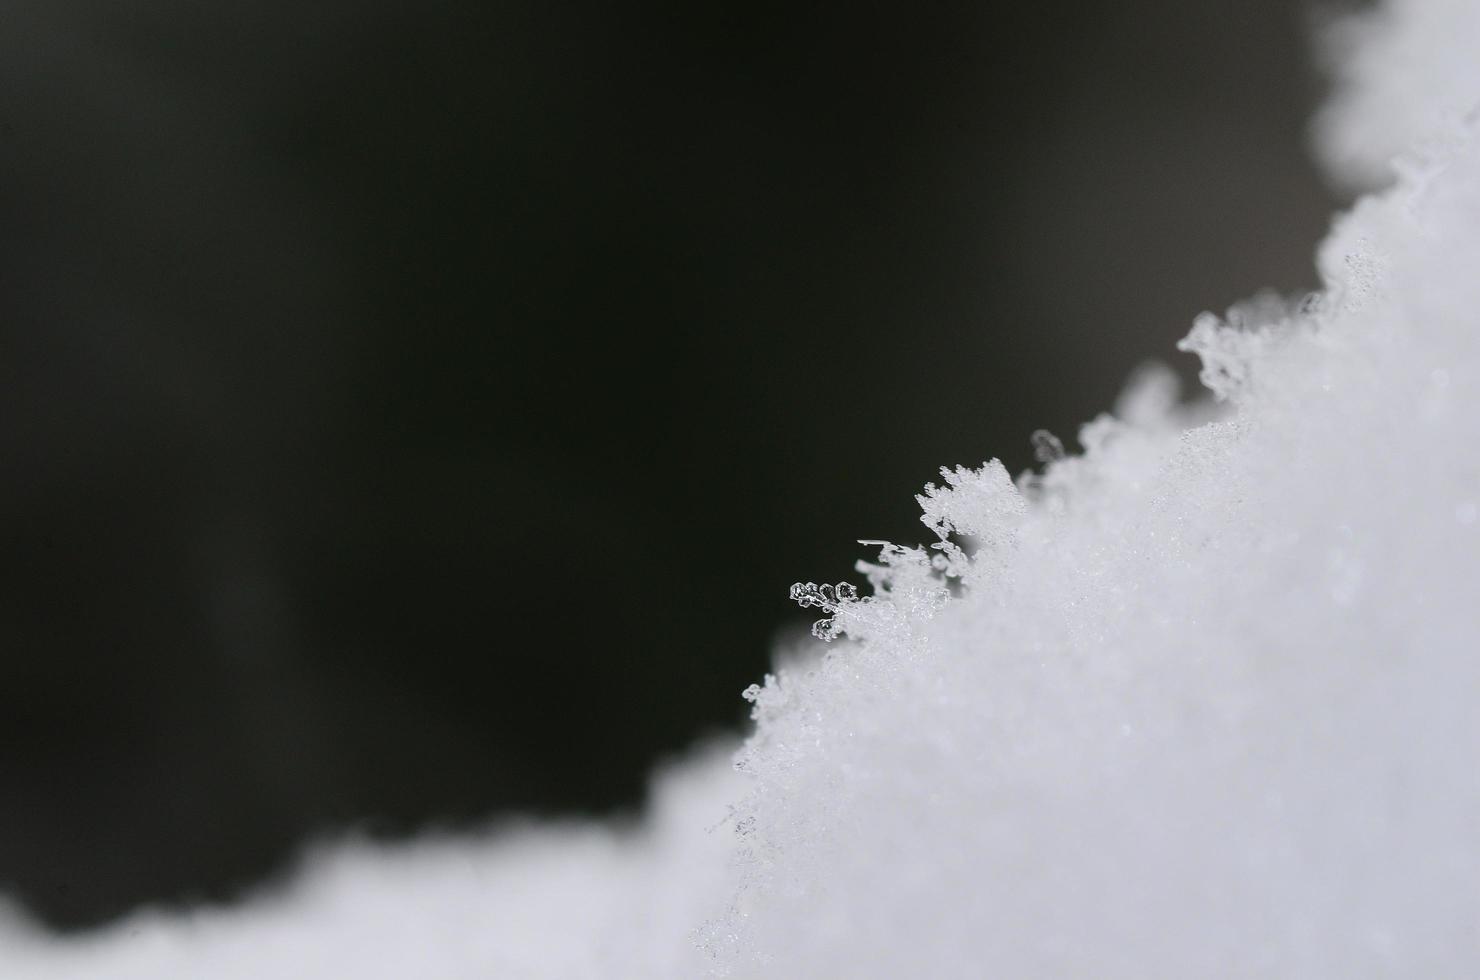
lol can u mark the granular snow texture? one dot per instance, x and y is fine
(1200, 702)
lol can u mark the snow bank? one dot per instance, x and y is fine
(1207, 702)
(1200, 702)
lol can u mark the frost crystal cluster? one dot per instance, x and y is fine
(1202, 701)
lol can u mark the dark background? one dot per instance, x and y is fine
(411, 412)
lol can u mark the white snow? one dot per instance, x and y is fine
(528, 901)
(1406, 76)
(1201, 702)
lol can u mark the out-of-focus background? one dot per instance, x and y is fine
(416, 412)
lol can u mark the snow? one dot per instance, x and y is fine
(526, 901)
(1406, 77)
(1201, 701)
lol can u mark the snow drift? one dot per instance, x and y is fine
(1201, 701)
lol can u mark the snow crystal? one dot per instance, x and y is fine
(829, 598)
(1201, 701)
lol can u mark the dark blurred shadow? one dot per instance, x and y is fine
(414, 411)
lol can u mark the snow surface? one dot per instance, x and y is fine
(1201, 702)
(1406, 76)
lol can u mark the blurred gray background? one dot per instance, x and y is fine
(414, 412)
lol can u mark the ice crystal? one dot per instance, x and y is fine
(829, 598)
